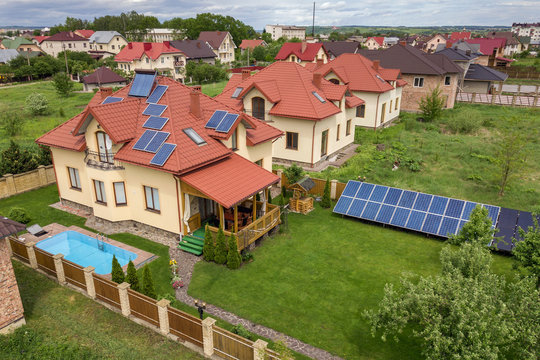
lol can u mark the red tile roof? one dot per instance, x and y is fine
(135, 50)
(309, 53)
(460, 35)
(103, 75)
(66, 36)
(40, 38)
(214, 38)
(488, 45)
(353, 101)
(231, 180)
(85, 33)
(378, 39)
(251, 44)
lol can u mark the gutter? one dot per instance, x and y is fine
(313, 143)
(178, 205)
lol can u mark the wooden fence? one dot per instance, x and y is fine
(498, 99)
(158, 314)
(520, 72)
(15, 184)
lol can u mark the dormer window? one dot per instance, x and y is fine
(257, 108)
(234, 139)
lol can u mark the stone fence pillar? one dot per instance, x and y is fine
(10, 182)
(42, 175)
(333, 189)
(8, 246)
(208, 336)
(89, 279)
(280, 174)
(124, 298)
(31, 254)
(163, 316)
(259, 347)
(59, 268)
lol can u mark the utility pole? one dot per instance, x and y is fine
(313, 25)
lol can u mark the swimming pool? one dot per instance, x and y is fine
(83, 250)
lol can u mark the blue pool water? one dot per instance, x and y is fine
(83, 250)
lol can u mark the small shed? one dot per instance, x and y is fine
(300, 201)
(103, 76)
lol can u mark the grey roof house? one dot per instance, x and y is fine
(195, 50)
(336, 48)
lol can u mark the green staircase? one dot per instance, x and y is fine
(192, 244)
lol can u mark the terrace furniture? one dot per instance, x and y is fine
(36, 230)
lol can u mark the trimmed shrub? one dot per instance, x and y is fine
(326, 202)
(148, 288)
(36, 104)
(209, 246)
(117, 274)
(293, 173)
(132, 277)
(19, 214)
(233, 257)
(12, 122)
(220, 255)
(432, 105)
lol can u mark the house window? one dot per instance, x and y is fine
(397, 102)
(361, 111)
(152, 198)
(120, 193)
(162, 60)
(348, 128)
(292, 140)
(234, 139)
(324, 142)
(100, 47)
(383, 112)
(74, 178)
(257, 106)
(337, 132)
(334, 81)
(418, 82)
(293, 58)
(84, 45)
(112, 47)
(390, 108)
(104, 147)
(99, 187)
(147, 60)
(69, 45)
(447, 80)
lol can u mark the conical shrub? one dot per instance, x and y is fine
(220, 256)
(132, 277)
(233, 257)
(209, 246)
(117, 274)
(148, 288)
(326, 202)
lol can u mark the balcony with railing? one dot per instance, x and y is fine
(179, 63)
(102, 160)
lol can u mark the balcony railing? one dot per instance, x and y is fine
(179, 63)
(103, 161)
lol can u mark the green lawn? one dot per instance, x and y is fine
(314, 282)
(527, 62)
(214, 88)
(518, 81)
(63, 324)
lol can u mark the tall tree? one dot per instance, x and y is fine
(477, 229)
(527, 251)
(148, 288)
(117, 274)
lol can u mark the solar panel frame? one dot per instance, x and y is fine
(145, 138)
(343, 204)
(379, 193)
(449, 225)
(416, 220)
(156, 142)
(163, 154)
(351, 188)
(112, 100)
(215, 119)
(467, 209)
(365, 191)
(371, 210)
(142, 85)
(438, 205)
(356, 207)
(392, 196)
(423, 202)
(157, 94)
(407, 199)
(155, 122)
(454, 208)
(226, 123)
(385, 214)
(154, 109)
(432, 224)
(400, 217)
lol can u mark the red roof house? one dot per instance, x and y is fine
(39, 39)
(251, 44)
(84, 33)
(302, 52)
(135, 50)
(460, 35)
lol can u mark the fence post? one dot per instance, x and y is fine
(279, 173)
(59, 268)
(124, 298)
(493, 97)
(473, 97)
(42, 175)
(259, 347)
(208, 336)
(514, 100)
(333, 189)
(10, 182)
(89, 280)
(535, 101)
(31, 254)
(519, 89)
(163, 315)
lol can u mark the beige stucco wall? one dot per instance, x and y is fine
(321, 54)
(412, 95)
(432, 43)
(114, 46)
(54, 47)
(371, 44)
(253, 153)
(225, 53)
(163, 62)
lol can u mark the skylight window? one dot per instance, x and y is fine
(380, 78)
(237, 92)
(196, 138)
(319, 97)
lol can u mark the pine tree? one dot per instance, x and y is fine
(132, 277)
(326, 202)
(209, 246)
(233, 257)
(220, 255)
(148, 284)
(117, 274)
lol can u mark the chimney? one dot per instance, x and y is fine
(195, 103)
(167, 43)
(317, 78)
(199, 45)
(376, 64)
(130, 45)
(403, 43)
(147, 46)
(246, 74)
(105, 91)
(320, 62)
(304, 46)
(197, 87)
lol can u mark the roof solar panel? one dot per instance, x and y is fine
(365, 191)
(385, 214)
(142, 85)
(448, 226)
(163, 154)
(400, 217)
(371, 210)
(392, 196)
(343, 205)
(157, 141)
(157, 94)
(432, 223)
(407, 199)
(378, 193)
(351, 188)
(215, 119)
(155, 122)
(154, 109)
(422, 202)
(357, 207)
(227, 122)
(455, 207)
(111, 99)
(438, 205)
(469, 207)
(416, 220)
(145, 138)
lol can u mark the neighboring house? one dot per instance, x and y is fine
(380, 88)
(528, 29)
(512, 45)
(461, 35)
(525, 42)
(162, 57)
(422, 72)
(65, 40)
(337, 48)
(302, 53)
(463, 59)
(251, 44)
(84, 33)
(196, 50)
(20, 44)
(167, 173)
(160, 35)
(390, 41)
(286, 31)
(222, 44)
(435, 41)
(6, 55)
(107, 42)
(482, 79)
(315, 114)
(103, 76)
(374, 43)
(493, 50)
(38, 40)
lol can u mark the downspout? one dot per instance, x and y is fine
(376, 112)
(313, 143)
(178, 204)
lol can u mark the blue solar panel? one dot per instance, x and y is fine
(111, 99)
(393, 195)
(357, 207)
(142, 84)
(422, 202)
(400, 217)
(163, 154)
(145, 138)
(154, 109)
(461, 223)
(365, 191)
(469, 206)
(432, 223)
(351, 188)
(416, 220)
(493, 213)
(157, 94)
(385, 214)
(407, 199)
(438, 205)
(455, 207)
(371, 210)
(155, 122)
(343, 205)
(378, 193)
(448, 226)
(157, 141)
(215, 119)
(227, 122)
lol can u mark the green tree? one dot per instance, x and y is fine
(259, 53)
(12, 122)
(208, 246)
(117, 274)
(233, 257)
(13, 160)
(63, 84)
(527, 251)
(36, 104)
(477, 229)
(293, 173)
(220, 255)
(131, 276)
(326, 202)
(431, 105)
(148, 288)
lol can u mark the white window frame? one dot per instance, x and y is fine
(418, 82)
(99, 189)
(151, 196)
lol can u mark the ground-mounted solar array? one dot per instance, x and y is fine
(430, 214)
(510, 221)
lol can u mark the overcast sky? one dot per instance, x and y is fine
(295, 12)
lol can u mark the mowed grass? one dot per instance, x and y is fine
(314, 282)
(214, 89)
(64, 319)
